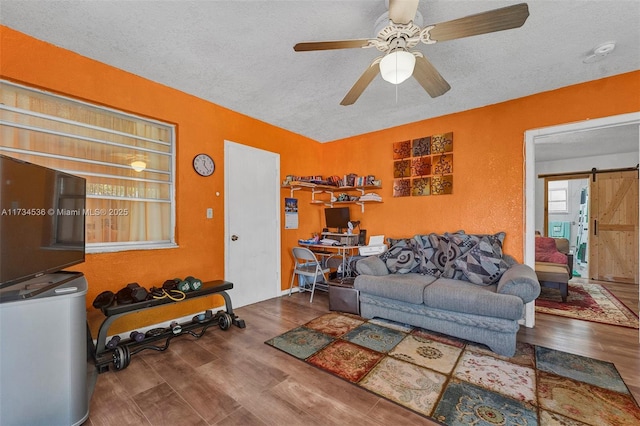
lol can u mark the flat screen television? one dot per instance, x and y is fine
(42, 220)
(337, 217)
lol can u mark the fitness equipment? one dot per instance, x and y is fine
(204, 317)
(138, 294)
(154, 332)
(194, 283)
(175, 327)
(113, 342)
(123, 296)
(137, 336)
(119, 353)
(224, 320)
(104, 300)
(121, 357)
(173, 284)
(162, 293)
(183, 285)
(188, 284)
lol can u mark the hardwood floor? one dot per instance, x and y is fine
(232, 378)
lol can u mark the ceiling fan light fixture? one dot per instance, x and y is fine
(138, 165)
(397, 66)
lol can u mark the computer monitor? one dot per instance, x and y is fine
(337, 217)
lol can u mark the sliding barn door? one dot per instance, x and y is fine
(614, 227)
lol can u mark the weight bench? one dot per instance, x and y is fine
(120, 355)
(554, 275)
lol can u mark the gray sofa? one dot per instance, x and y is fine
(445, 300)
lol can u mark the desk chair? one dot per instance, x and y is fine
(306, 264)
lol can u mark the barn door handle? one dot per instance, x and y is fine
(595, 226)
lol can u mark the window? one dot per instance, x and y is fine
(557, 191)
(128, 163)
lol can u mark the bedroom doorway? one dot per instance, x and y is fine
(566, 215)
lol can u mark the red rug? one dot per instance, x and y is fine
(588, 302)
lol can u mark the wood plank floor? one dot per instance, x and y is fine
(232, 378)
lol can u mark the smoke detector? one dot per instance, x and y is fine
(600, 52)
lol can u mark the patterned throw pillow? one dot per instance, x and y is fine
(401, 258)
(459, 244)
(427, 255)
(483, 264)
(393, 241)
(440, 245)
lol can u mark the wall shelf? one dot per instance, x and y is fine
(317, 189)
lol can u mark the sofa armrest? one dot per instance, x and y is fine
(372, 265)
(520, 280)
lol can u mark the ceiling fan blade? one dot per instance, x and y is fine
(402, 11)
(429, 78)
(362, 83)
(328, 45)
(482, 23)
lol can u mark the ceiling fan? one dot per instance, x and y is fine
(401, 34)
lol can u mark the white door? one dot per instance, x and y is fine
(252, 223)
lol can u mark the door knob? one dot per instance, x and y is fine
(234, 237)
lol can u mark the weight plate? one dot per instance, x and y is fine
(225, 321)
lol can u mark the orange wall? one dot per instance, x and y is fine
(200, 127)
(488, 162)
(488, 165)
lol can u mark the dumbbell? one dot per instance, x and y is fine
(204, 317)
(188, 284)
(194, 283)
(138, 294)
(171, 284)
(137, 336)
(183, 285)
(113, 342)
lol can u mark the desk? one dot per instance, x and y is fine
(327, 252)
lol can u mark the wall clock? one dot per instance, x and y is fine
(203, 165)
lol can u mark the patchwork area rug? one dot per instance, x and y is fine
(456, 382)
(588, 302)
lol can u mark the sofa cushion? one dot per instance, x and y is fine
(462, 296)
(372, 265)
(520, 280)
(401, 258)
(404, 287)
(483, 263)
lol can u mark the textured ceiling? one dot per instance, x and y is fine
(622, 139)
(239, 54)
